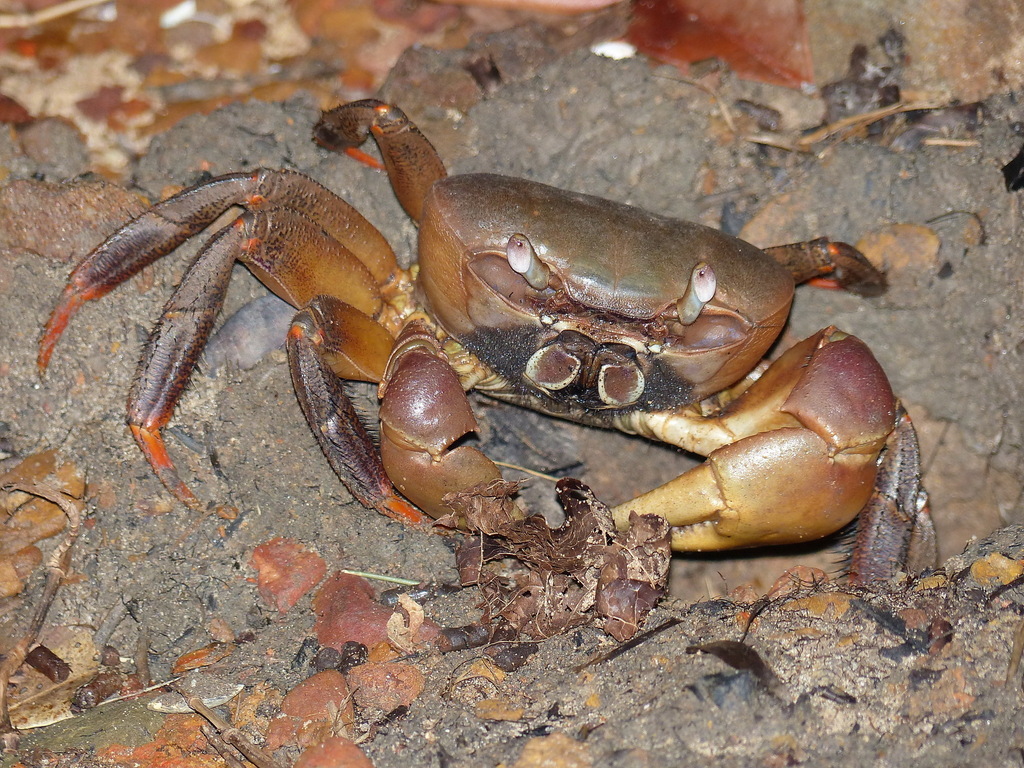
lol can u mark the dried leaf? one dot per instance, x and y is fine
(35, 701)
(202, 657)
(404, 625)
(568, 569)
(760, 41)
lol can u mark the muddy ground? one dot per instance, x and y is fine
(860, 679)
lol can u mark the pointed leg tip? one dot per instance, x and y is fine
(155, 450)
(365, 158)
(70, 301)
(403, 511)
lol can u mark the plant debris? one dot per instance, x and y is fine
(580, 572)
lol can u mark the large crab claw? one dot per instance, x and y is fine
(794, 458)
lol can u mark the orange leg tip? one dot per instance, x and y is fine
(825, 282)
(357, 154)
(155, 450)
(401, 510)
(66, 308)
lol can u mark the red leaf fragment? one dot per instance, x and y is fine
(764, 40)
(285, 572)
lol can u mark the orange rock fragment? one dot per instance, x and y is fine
(496, 709)
(178, 744)
(312, 711)
(996, 569)
(385, 685)
(823, 605)
(285, 572)
(558, 749)
(334, 752)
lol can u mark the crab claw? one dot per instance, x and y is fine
(424, 414)
(792, 459)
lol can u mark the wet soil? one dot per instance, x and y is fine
(862, 677)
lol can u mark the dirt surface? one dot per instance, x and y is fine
(862, 677)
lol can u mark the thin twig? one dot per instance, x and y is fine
(527, 471)
(141, 692)
(938, 141)
(382, 577)
(229, 733)
(620, 649)
(225, 750)
(863, 120)
(57, 569)
(722, 107)
(43, 15)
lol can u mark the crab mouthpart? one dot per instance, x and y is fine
(553, 368)
(574, 366)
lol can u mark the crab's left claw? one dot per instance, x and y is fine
(792, 458)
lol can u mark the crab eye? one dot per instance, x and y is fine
(700, 290)
(522, 258)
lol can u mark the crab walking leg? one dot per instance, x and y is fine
(424, 413)
(894, 530)
(168, 224)
(790, 459)
(412, 163)
(330, 341)
(830, 264)
(173, 348)
(291, 256)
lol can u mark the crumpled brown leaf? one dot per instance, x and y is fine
(582, 571)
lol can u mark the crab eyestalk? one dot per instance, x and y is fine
(523, 259)
(699, 292)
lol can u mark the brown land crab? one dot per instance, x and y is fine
(568, 304)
